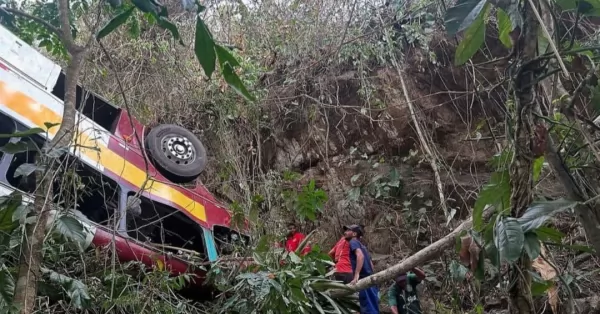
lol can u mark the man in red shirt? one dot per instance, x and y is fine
(294, 238)
(341, 256)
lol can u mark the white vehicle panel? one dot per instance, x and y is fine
(85, 125)
(28, 60)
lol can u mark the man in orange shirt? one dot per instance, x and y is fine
(340, 253)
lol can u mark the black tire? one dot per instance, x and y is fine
(176, 152)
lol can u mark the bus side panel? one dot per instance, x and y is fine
(34, 108)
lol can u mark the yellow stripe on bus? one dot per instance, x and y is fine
(39, 114)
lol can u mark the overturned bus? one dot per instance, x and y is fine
(140, 186)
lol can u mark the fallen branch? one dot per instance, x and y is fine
(429, 253)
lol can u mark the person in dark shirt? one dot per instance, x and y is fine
(402, 295)
(362, 266)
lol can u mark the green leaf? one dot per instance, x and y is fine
(538, 289)
(50, 125)
(458, 272)
(70, 228)
(21, 213)
(264, 243)
(26, 170)
(576, 247)
(7, 286)
(30, 132)
(225, 56)
(78, 294)
(204, 47)
(509, 239)
(511, 9)
(491, 251)
(234, 82)
(532, 245)
(168, 25)
(76, 290)
(45, 43)
(295, 258)
(394, 178)
(537, 214)
(18, 147)
(501, 161)
(146, 6)
(586, 7)
(114, 3)
(549, 234)
(8, 206)
(473, 39)
(496, 193)
(504, 28)
(463, 15)
(134, 27)
(115, 22)
(480, 270)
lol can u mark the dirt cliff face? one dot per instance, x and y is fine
(329, 131)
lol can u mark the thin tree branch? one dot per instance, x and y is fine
(36, 19)
(421, 135)
(549, 38)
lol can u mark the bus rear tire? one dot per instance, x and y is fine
(177, 153)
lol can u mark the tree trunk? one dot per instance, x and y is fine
(31, 248)
(521, 167)
(588, 214)
(31, 253)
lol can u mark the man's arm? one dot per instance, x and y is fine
(419, 273)
(332, 253)
(334, 250)
(360, 259)
(392, 302)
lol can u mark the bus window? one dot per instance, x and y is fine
(97, 196)
(14, 178)
(165, 227)
(228, 240)
(94, 107)
(77, 186)
(7, 126)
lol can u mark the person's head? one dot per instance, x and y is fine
(292, 228)
(401, 280)
(352, 231)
